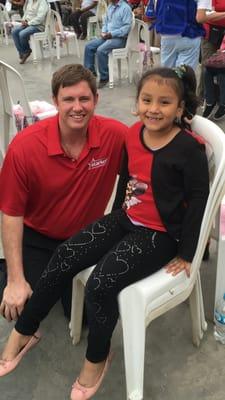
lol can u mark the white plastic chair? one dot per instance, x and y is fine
(124, 53)
(144, 34)
(13, 91)
(95, 21)
(149, 298)
(12, 23)
(62, 37)
(39, 38)
(4, 17)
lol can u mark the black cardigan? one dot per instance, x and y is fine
(180, 185)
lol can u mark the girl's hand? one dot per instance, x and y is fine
(177, 265)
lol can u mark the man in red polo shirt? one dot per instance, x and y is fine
(57, 176)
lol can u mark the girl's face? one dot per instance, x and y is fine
(158, 105)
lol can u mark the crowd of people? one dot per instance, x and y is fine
(55, 170)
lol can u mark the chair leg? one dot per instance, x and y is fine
(6, 34)
(119, 68)
(77, 47)
(77, 310)
(133, 324)
(202, 311)
(111, 81)
(129, 67)
(57, 42)
(34, 48)
(197, 313)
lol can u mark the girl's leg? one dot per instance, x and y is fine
(139, 254)
(81, 251)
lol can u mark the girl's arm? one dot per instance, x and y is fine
(196, 186)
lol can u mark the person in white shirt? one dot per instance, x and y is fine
(79, 18)
(33, 21)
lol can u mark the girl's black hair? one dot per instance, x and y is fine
(183, 81)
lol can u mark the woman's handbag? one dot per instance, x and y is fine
(216, 60)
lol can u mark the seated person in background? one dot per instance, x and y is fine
(55, 5)
(66, 10)
(33, 21)
(214, 92)
(79, 18)
(115, 29)
(17, 7)
(53, 173)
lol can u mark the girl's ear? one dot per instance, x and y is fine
(180, 109)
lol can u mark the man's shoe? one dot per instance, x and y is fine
(208, 110)
(220, 113)
(80, 392)
(8, 366)
(25, 57)
(102, 83)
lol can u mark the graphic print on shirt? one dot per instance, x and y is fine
(134, 188)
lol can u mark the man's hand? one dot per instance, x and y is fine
(177, 265)
(24, 23)
(106, 35)
(15, 296)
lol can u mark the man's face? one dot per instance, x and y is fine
(76, 105)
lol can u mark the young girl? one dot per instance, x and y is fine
(167, 190)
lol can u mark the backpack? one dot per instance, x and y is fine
(178, 17)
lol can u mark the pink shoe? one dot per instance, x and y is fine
(80, 392)
(7, 366)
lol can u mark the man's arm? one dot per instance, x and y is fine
(92, 5)
(203, 16)
(18, 290)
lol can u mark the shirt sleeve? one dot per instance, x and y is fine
(14, 184)
(204, 4)
(42, 10)
(125, 26)
(196, 185)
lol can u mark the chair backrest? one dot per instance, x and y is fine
(101, 10)
(143, 31)
(56, 25)
(215, 148)
(4, 16)
(13, 91)
(132, 38)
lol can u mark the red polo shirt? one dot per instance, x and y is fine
(55, 195)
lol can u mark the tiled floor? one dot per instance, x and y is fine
(174, 369)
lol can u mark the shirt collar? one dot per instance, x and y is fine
(54, 144)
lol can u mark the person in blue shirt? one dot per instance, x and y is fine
(115, 29)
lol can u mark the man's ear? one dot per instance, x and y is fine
(54, 99)
(96, 98)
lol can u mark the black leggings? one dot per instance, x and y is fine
(124, 253)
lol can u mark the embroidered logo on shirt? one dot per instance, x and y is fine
(97, 163)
